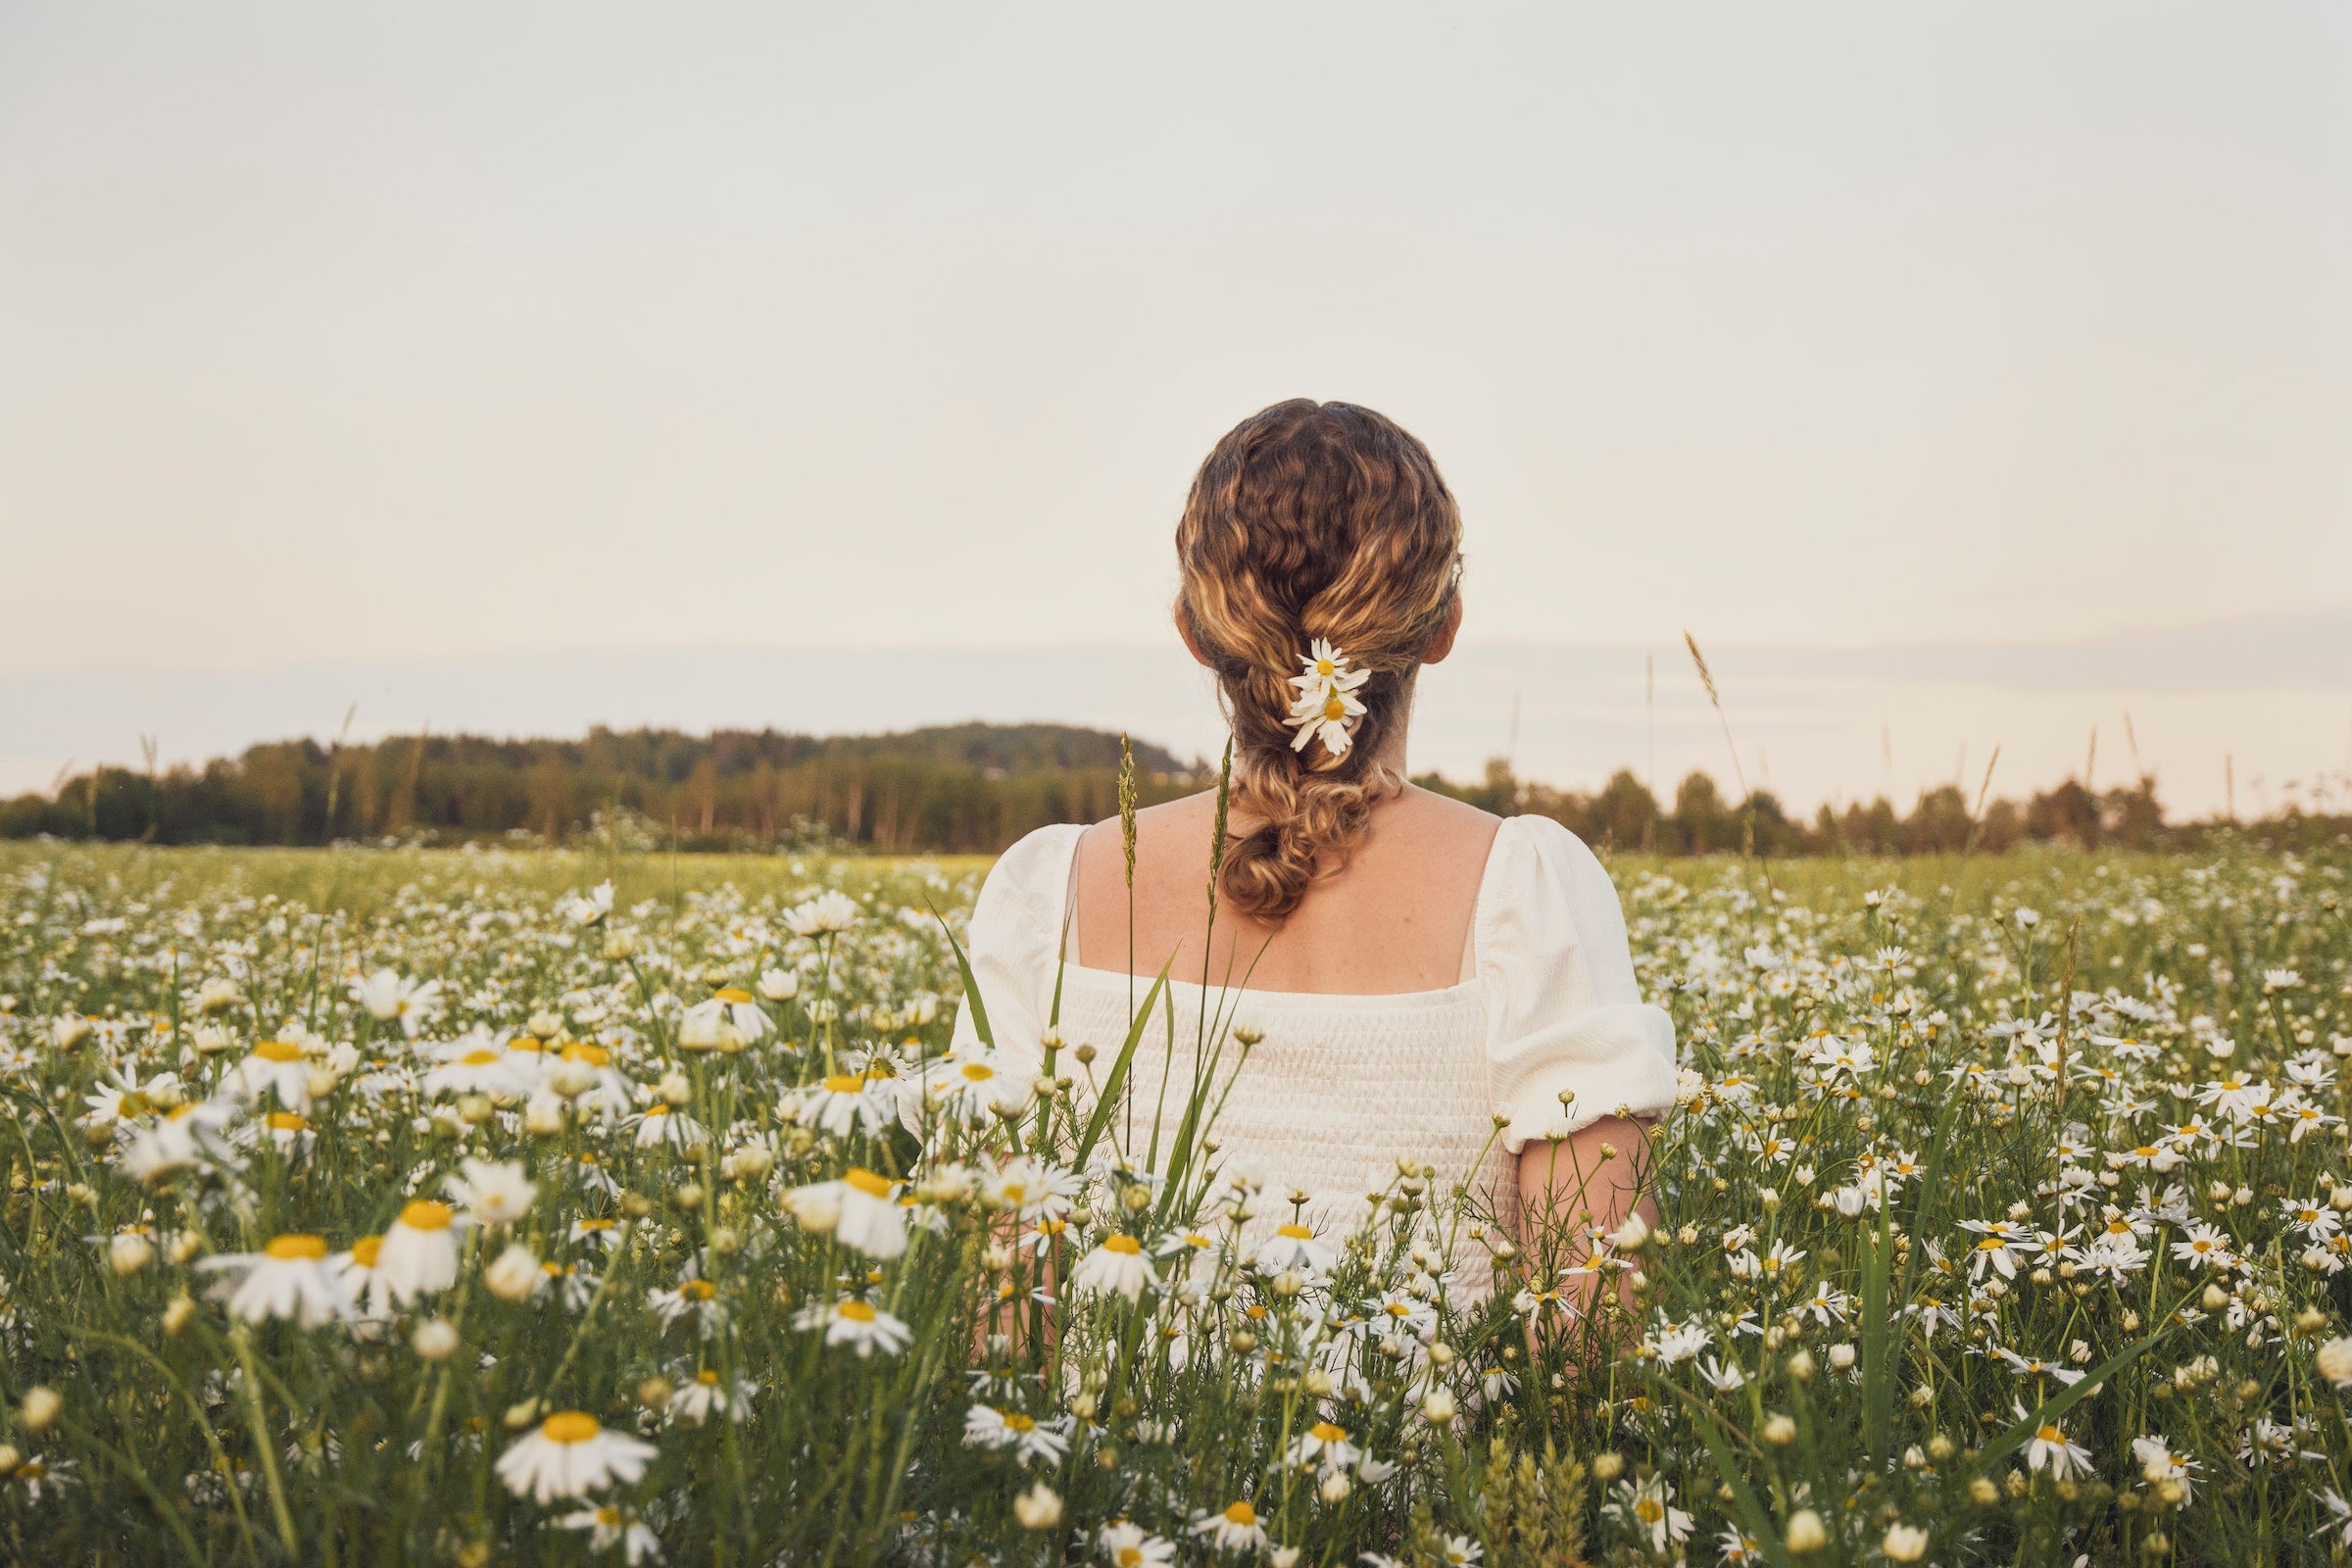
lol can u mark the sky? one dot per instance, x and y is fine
(526, 367)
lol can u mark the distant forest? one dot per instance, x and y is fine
(964, 788)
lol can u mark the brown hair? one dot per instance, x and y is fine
(1313, 520)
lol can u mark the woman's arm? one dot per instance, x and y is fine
(1590, 1181)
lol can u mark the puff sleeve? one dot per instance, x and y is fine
(1563, 1010)
(1013, 941)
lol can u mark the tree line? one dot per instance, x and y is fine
(950, 789)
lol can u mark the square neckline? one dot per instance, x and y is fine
(1065, 922)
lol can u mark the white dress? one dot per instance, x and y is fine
(1342, 1086)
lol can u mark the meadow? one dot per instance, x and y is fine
(388, 1206)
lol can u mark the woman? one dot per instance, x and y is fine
(1422, 973)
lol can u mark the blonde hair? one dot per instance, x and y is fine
(1313, 520)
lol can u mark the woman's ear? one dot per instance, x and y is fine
(1184, 629)
(1443, 643)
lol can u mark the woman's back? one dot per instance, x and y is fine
(1396, 918)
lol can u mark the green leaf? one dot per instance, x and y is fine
(2052, 1409)
(1745, 1503)
(971, 987)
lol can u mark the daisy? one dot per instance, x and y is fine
(972, 1082)
(986, 1426)
(1126, 1546)
(690, 1295)
(277, 1067)
(704, 1392)
(827, 914)
(37, 1474)
(1117, 1265)
(596, 1232)
(475, 1064)
(419, 1252)
(728, 1021)
(1721, 1378)
(860, 1207)
(2049, 1449)
(289, 1132)
(363, 1283)
(2159, 1463)
(1324, 716)
(841, 1105)
(287, 1278)
(857, 1324)
(587, 909)
(1325, 1445)
(182, 1138)
(1232, 1528)
(2205, 1245)
(615, 1525)
(570, 1455)
(662, 1124)
(124, 1097)
(494, 1193)
(1648, 1507)
(390, 999)
(1031, 1188)
(1293, 1246)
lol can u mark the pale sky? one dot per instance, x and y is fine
(407, 335)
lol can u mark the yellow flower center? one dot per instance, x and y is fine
(732, 994)
(978, 1073)
(1324, 1431)
(365, 1250)
(707, 1378)
(1650, 1510)
(1241, 1514)
(278, 1051)
(571, 1426)
(593, 1056)
(651, 1111)
(524, 1043)
(610, 1517)
(1294, 1233)
(2050, 1434)
(1122, 1244)
(478, 1059)
(597, 1224)
(698, 1290)
(426, 1215)
(1333, 708)
(1326, 668)
(1017, 1422)
(866, 1182)
(286, 1121)
(842, 1083)
(296, 1248)
(856, 1311)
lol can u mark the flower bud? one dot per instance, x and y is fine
(435, 1339)
(514, 1275)
(40, 1409)
(1038, 1508)
(128, 1252)
(178, 1313)
(543, 1116)
(1438, 1408)
(1806, 1532)
(673, 1088)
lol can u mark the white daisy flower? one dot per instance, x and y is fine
(843, 1104)
(986, 1426)
(492, 1192)
(705, 1394)
(660, 1124)
(182, 1138)
(390, 999)
(971, 1082)
(2050, 1449)
(362, 1281)
(1326, 1447)
(1118, 1266)
(1293, 1246)
(828, 913)
(570, 1455)
(419, 1253)
(1232, 1528)
(1031, 1188)
(614, 1526)
(861, 1209)
(1129, 1545)
(277, 1067)
(691, 1297)
(857, 1324)
(287, 1278)
(1326, 716)
(728, 1021)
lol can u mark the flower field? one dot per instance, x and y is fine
(381, 1207)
